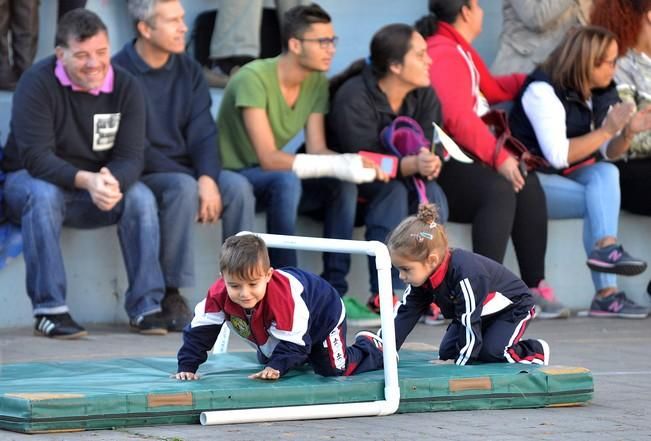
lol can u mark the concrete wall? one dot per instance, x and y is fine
(97, 281)
(355, 22)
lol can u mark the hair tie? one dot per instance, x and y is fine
(368, 60)
(421, 236)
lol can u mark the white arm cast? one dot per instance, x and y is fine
(346, 166)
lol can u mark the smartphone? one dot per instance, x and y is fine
(523, 168)
(387, 163)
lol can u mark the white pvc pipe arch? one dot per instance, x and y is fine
(320, 411)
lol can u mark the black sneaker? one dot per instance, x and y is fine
(60, 326)
(613, 259)
(374, 339)
(371, 337)
(175, 310)
(151, 324)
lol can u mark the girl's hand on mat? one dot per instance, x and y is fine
(187, 376)
(267, 373)
(439, 361)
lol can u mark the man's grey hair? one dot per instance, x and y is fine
(142, 10)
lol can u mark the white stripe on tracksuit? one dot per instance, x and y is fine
(466, 321)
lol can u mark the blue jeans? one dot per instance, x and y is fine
(591, 193)
(43, 208)
(278, 193)
(331, 200)
(334, 202)
(178, 204)
(385, 205)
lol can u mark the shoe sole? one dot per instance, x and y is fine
(74, 336)
(602, 314)
(563, 314)
(621, 270)
(154, 331)
(546, 351)
(430, 322)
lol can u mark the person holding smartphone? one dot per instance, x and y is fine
(365, 99)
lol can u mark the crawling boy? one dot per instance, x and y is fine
(289, 315)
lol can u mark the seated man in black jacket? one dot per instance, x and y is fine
(73, 157)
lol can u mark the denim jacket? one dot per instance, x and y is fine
(532, 28)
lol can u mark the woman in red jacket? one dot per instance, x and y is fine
(491, 192)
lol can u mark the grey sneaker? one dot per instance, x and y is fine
(617, 305)
(547, 307)
(613, 259)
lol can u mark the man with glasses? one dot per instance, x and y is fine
(264, 106)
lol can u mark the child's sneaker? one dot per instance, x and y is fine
(545, 351)
(547, 307)
(613, 259)
(150, 324)
(373, 338)
(433, 316)
(374, 302)
(59, 326)
(617, 305)
(358, 314)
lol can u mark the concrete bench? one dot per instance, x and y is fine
(96, 277)
(97, 280)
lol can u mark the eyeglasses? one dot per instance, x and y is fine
(324, 42)
(611, 63)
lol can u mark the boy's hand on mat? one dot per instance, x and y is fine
(187, 376)
(267, 373)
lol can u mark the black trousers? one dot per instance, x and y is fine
(635, 184)
(20, 17)
(499, 340)
(69, 5)
(479, 195)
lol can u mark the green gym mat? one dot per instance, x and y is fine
(66, 396)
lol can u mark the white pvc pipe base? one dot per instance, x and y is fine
(321, 411)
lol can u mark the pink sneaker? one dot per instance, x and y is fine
(433, 316)
(547, 307)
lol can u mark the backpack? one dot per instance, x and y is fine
(498, 123)
(204, 25)
(404, 137)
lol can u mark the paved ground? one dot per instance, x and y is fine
(617, 351)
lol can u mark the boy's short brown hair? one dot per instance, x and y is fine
(245, 257)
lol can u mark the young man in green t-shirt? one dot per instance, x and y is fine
(264, 106)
